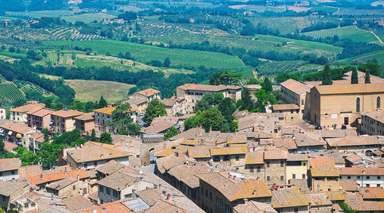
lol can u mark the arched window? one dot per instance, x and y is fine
(378, 102)
(357, 104)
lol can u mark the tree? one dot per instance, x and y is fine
(170, 133)
(212, 119)
(122, 122)
(167, 62)
(326, 78)
(263, 99)
(367, 77)
(1, 145)
(45, 132)
(267, 85)
(93, 135)
(246, 100)
(155, 109)
(192, 122)
(225, 78)
(106, 138)
(208, 101)
(102, 102)
(354, 77)
(227, 107)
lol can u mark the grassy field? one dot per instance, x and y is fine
(88, 17)
(9, 93)
(378, 55)
(41, 13)
(275, 67)
(263, 43)
(285, 25)
(82, 60)
(89, 90)
(147, 53)
(349, 32)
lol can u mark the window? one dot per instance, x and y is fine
(379, 177)
(358, 104)
(281, 177)
(267, 164)
(258, 169)
(237, 158)
(358, 177)
(349, 177)
(378, 102)
(303, 176)
(378, 185)
(293, 176)
(368, 177)
(268, 178)
(367, 185)
(108, 191)
(281, 163)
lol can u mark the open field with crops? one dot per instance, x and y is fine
(9, 93)
(89, 90)
(148, 53)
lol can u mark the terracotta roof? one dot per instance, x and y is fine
(136, 100)
(118, 181)
(110, 167)
(148, 92)
(233, 150)
(150, 196)
(285, 143)
(9, 164)
(350, 89)
(208, 88)
(237, 138)
(31, 170)
(253, 206)
(370, 171)
(318, 199)
(165, 207)
(284, 107)
(28, 108)
(111, 207)
(376, 115)
(304, 140)
(108, 110)
(41, 113)
(296, 86)
(66, 113)
(297, 157)
(253, 158)
(199, 152)
(17, 127)
(247, 189)
(275, 154)
(13, 188)
(186, 173)
(323, 167)
(161, 124)
(166, 163)
(356, 202)
(335, 195)
(54, 175)
(355, 141)
(86, 117)
(76, 203)
(372, 193)
(58, 185)
(99, 152)
(164, 152)
(190, 142)
(288, 198)
(349, 185)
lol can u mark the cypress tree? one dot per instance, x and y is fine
(354, 77)
(367, 77)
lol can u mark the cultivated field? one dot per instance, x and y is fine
(89, 90)
(148, 53)
(352, 33)
(9, 93)
(378, 55)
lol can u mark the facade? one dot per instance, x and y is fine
(295, 92)
(297, 167)
(290, 200)
(364, 177)
(85, 123)
(21, 134)
(119, 186)
(149, 94)
(195, 92)
(9, 169)
(3, 114)
(372, 123)
(40, 119)
(20, 114)
(103, 117)
(219, 193)
(64, 120)
(101, 154)
(175, 106)
(323, 175)
(290, 112)
(326, 111)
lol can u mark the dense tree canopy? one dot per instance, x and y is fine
(155, 109)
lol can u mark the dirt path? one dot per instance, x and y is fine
(377, 37)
